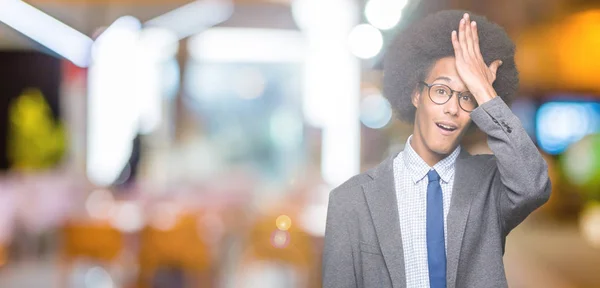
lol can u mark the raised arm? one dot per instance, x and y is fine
(524, 182)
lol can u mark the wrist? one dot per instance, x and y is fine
(484, 94)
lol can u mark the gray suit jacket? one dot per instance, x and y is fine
(492, 194)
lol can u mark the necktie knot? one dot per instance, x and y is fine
(432, 175)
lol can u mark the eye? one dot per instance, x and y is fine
(441, 91)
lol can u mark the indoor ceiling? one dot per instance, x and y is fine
(521, 18)
(87, 16)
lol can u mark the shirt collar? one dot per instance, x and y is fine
(418, 169)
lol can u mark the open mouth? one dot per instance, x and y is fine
(446, 127)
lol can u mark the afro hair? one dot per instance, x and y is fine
(414, 51)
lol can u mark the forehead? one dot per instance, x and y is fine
(444, 71)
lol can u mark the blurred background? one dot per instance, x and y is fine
(155, 143)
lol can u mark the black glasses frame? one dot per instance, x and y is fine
(452, 92)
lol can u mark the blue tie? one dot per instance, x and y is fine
(436, 251)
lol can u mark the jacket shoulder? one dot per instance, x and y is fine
(350, 190)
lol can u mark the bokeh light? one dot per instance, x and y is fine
(375, 111)
(97, 277)
(127, 217)
(525, 109)
(250, 83)
(99, 204)
(164, 216)
(384, 14)
(589, 223)
(313, 219)
(286, 128)
(581, 163)
(322, 16)
(283, 222)
(560, 124)
(280, 239)
(365, 41)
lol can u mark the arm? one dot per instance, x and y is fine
(524, 180)
(338, 262)
(523, 171)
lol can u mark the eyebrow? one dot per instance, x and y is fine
(447, 79)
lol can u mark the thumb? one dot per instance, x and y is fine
(494, 66)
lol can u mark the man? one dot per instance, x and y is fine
(433, 215)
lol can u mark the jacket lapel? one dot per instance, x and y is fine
(380, 194)
(460, 205)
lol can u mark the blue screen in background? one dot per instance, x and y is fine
(562, 123)
(525, 109)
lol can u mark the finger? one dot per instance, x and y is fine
(462, 38)
(456, 45)
(476, 40)
(494, 68)
(469, 36)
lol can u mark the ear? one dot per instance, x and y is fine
(416, 97)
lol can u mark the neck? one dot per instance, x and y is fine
(430, 157)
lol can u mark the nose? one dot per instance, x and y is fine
(451, 107)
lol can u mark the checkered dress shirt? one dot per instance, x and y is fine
(410, 177)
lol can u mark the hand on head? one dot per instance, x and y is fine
(477, 76)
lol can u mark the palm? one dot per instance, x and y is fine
(469, 62)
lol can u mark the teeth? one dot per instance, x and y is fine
(446, 127)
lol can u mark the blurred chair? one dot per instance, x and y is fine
(177, 248)
(98, 241)
(286, 257)
(95, 241)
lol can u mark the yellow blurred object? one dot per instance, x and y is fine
(35, 141)
(576, 49)
(179, 246)
(97, 240)
(283, 222)
(589, 224)
(292, 248)
(3, 255)
(562, 55)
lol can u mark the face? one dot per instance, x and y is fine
(439, 128)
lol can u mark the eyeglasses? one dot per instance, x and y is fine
(440, 94)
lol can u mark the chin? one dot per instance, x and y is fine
(443, 151)
(444, 147)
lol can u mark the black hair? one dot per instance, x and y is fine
(415, 50)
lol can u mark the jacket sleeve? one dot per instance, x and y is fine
(338, 262)
(524, 183)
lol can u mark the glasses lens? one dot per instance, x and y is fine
(467, 101)
(439, 94)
